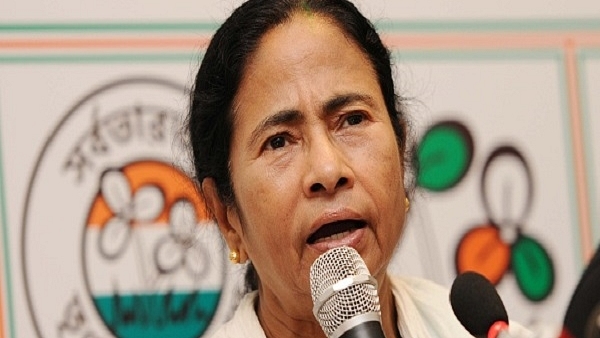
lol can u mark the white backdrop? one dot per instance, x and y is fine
(87, 87)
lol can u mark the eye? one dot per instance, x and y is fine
(355, 119)
(275, 142)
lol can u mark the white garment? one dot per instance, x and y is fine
(423, 307)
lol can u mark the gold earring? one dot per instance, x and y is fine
(406, 204)
(234, 257)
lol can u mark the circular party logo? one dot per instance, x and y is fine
(116, 240)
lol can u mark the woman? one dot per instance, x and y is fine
(299, 146)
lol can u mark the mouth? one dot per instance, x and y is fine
(335, 231)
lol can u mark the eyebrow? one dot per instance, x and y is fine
(289, 116)
(334, 104)
(293, 116)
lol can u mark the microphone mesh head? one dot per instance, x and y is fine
(328, 269)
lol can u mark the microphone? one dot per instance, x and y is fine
(592, 328)
(344, 295)
(584, 301)
(478, 306)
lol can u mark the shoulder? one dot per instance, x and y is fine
(422, 293)
(424, 309)
(244, 322)
(420, 286)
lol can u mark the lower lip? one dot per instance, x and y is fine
(351, 240)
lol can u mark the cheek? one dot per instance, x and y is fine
(383, 160)
(382, 173)
(263, 189)
(266, 201)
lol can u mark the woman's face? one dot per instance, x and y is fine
(314, 160)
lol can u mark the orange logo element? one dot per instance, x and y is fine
(482, 250)
(172, 184)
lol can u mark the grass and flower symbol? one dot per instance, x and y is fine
(151, 267)
(499, 245)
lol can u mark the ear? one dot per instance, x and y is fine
(227, 218)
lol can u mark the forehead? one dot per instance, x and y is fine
(306, 55)
(302, 36)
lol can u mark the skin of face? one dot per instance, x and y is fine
(312, 144)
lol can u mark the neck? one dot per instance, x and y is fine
(389, 315)
(280, 321)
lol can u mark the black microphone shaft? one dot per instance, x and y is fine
(370, 329)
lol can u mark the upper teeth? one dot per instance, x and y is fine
(333, 237)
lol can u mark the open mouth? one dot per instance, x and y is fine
(335, 230)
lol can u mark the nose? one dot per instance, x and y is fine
(328, 170)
